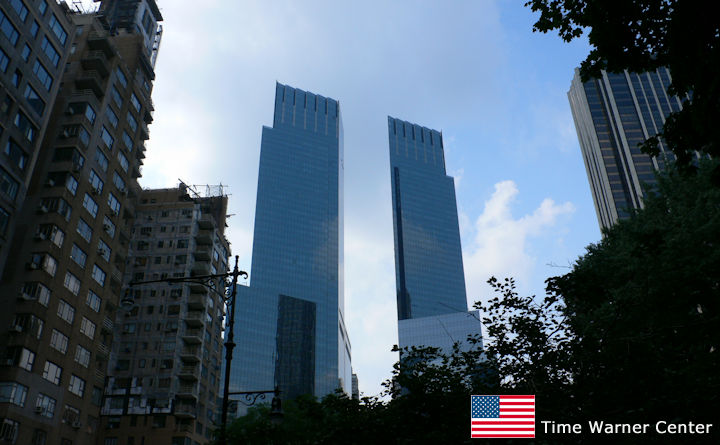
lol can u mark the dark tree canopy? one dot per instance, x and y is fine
(641, 35)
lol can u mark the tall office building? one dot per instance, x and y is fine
(71, 236)
(613, 114)
(289, 324)
(34, 44)
(164, 371)
(431, 299)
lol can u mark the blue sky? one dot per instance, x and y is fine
(472, 69)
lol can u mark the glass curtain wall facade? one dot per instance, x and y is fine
(428, 256)
(295, 300)
(613, 114)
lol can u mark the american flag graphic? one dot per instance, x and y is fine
(502, 416)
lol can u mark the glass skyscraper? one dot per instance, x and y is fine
(289, 325)
(613, 114)
(428, 257)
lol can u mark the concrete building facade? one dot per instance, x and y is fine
(63, 283)
(164, 372)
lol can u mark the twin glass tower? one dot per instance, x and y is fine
(289, 322)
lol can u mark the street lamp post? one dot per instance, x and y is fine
(205, 280)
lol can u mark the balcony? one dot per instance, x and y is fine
(204, 237)
(202, 253)
(187, 392)
(96, 61)
(192, 336)
(197, 288)
(103, 351)
(206, 222)
(195, 302)
(184, 411)
(195, 319)
(201, 268)
(189, 372)
(190, 354)
(90, 80)
(102, 43)
(107, 325)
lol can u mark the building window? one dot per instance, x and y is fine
(114, 204)
(50, 51)
(98, 275)
(58, 30)
(66, 311)
(16, 154)
(4, 61)
(8, 186)
(82, 356)
(59, 341)
(107, 138)
(47, 405)
(101, 159)
(8, 427)
(34, 100)
(13, 392)
(116, 96)
(123, 162)
(37, 291)
(132, 123)
(104, 250)
(90, 205)
(39, 437)
(112, 117)
(127, 140)
(8, 29)
(45, 262)
(135, 102)
(52, 372)
(109, 227)
(72, 283)
(84, 230)
(87, 327)
(25, 126)
(121, 77)
(95, 182)
(43, 75)
(26, 51)
(78, 255)
(93, 300)
(77, 385)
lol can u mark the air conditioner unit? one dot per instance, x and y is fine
(42, 209)
(69, 111)
(97, 190)
(25, 296)
(76, 424)
(39, 410)
(65, 133)
(9, 361)
(114, 213)
(40, 236)
(106, 227)
(16, 328)
(50, 183)
(102, 252)
(77, 167)
(33, 266)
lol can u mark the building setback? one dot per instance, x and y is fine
(290, 319)
(613, 114)
(164, 369)
(428, 257)
(63, 285)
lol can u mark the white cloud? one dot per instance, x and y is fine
(500, 246)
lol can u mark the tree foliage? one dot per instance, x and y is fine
(642, 35)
